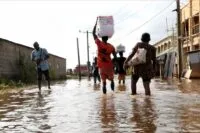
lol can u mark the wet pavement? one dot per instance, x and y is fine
(80, 107)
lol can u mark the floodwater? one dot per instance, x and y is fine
(80, 107)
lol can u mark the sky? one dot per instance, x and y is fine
(55, 24)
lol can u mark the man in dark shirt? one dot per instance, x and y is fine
(147, 70)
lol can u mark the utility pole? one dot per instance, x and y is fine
(199, 25)
(167, 27)
(88, 57)
(179, 37)
(173, 40)
(88, 52)
(190, 27)
(79, 69)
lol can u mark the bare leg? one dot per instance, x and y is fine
(95, 79)
(119, 82)
(124, 81)
(49, 84)
(112, 85)
(133, 86)
(147, 88)
(104, 87)
(39, 85)
(99, 78)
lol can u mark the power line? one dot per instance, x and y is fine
(146, 22)
(130, 15)
(119, 10)
(149, 19)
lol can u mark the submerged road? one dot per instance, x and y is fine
(74, 106)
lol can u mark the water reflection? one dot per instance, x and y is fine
(144, 115)
(108, 114)
(121, 87)
(190, 118)
(190, 86)
(24, 112)
(42, 110)
(75, 106)
(97, 87)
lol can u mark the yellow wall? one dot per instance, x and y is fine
(195, 6)
(185, 11)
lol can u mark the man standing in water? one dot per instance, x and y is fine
(104, 61)
(146, 70)
(40, 56)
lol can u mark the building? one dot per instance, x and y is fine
(83, 69)
(190, 32)
(190, 15)
(69, 71)
(16, 63)
(166, 54)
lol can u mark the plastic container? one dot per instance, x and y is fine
(105, 26)
(120, 48)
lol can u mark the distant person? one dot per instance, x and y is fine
(147, 70)
(95, 70)
(120, 69)
(104, 61)
(40, 56)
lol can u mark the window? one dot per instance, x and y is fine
(169, 44)
(195, 24)
(165, 46)
(185, 28)
(158, 49)
(196, 47)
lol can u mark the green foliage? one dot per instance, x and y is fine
(27, 74)
(52, 73)
(5, 83)
(27, 69)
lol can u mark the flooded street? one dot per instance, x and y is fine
(80, 107)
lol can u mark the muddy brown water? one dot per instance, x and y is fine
(80, 107)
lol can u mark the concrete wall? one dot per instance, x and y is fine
(194, 61)
(189, 13)
(185, 11)
(9, 58)
(165, 44)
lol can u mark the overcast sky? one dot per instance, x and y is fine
(55, 24)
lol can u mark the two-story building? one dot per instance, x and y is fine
(190, 33)
(166, 53)
(190, 26)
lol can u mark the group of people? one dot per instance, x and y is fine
(117, 66)
(105, 64)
